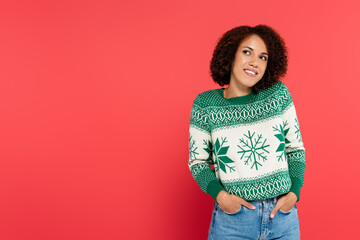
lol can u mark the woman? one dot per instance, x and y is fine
(250, 133)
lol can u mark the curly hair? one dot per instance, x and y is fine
(227, 46)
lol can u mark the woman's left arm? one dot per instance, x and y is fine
(295, 151)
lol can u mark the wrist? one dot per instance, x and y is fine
(221, 196)
(293, 196)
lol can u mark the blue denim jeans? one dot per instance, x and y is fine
(254, 224)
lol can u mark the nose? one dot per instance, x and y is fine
(254, 61)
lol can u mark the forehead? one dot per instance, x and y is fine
(255, 42)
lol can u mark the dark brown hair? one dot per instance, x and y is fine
(227, 46)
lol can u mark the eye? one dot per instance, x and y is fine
(245, 51)
(264, 57)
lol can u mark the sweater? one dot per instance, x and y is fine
(250, 146)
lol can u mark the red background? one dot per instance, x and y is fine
(95, 101)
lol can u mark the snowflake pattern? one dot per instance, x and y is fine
(208, 148)
(221, 159)
(192, 148)
(252, 146)
(298, 134)
(281, 135)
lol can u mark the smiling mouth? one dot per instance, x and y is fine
(250, 73)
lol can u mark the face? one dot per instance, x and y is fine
(250, 62)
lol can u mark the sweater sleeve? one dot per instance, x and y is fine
(295, 151)
(200, 150)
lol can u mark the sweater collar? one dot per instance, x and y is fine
(240, 99)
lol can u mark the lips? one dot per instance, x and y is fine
(252, 70)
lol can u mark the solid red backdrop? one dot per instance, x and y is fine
(95, 101)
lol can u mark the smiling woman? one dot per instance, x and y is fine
(248, 66)
(227, 49)
(251, 139)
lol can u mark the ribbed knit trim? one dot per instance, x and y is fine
(240, 99)
(295, 187)
(214, 188)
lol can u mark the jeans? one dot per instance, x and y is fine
(254, 224)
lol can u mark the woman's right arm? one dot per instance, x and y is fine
(200, 160)
(200, 150)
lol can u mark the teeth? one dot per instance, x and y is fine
(250, 72)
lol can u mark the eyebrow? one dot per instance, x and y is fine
(253, 49)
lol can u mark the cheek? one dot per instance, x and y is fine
(262, 73)
(264, 66)
(237, 68)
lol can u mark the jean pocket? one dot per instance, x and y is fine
(230, 213)
(287, 211)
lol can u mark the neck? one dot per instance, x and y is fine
(231, 91)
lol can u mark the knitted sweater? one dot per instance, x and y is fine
(253, 142)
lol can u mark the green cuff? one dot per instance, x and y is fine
(213, 189)
(295, 187)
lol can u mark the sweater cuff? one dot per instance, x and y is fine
(295, 187)
(213, 188)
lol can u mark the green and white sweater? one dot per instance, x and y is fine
(253, 142)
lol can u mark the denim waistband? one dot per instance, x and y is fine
(269, 200)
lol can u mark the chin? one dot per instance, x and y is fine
(250, 84)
